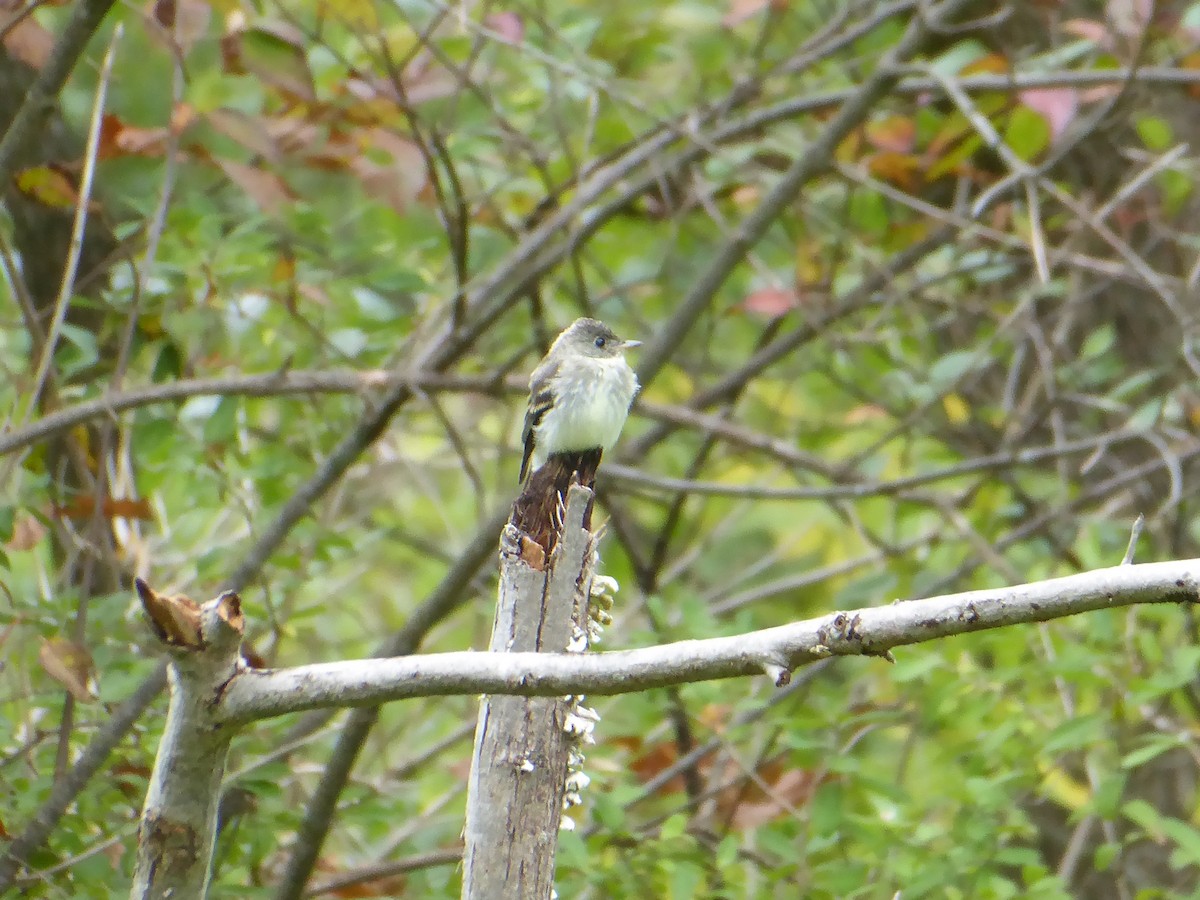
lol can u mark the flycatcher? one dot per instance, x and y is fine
(579, 395)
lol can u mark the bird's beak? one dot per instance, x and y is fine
(629, 345)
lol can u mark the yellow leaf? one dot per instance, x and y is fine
(1066, 790)
(48, 186)
(355, 13)
(957, 409)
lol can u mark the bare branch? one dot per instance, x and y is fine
(874, 631)
(816, 159)
(272, 384)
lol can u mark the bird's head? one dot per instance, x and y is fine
(591, 337)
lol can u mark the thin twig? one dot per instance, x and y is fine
(67, 287)
(1134, 534)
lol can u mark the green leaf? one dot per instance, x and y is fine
(674, 827)
(1155, 133)
(276, 54)
(1155, 746)
(1099, 342)
(221, 426)
(1027, 133)
(84, 343)
(950, 368)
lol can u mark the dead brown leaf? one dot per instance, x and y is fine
(70, 664)
(30, 42)
(265, 188)
(27, 534)
(176, 620)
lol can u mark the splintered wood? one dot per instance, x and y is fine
(538, 512)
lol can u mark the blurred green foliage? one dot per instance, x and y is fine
(324, 201)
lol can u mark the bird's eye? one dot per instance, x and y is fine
(599, 342)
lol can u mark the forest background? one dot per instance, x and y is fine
(912, 326)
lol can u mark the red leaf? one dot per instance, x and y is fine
(1057, 106)
(509, 26)
(1087, 29)
(770, 303)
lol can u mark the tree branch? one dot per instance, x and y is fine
(519, 766)
(259, 694)
(271, 384)
(28, 124)
(816, 159)
(179, 819)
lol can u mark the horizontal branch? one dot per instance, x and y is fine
(257, 694)
(917, 85)
(845, 489)
(272, 384)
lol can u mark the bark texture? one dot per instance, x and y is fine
(519, 770)
(179, 819)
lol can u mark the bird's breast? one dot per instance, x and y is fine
(590, 406)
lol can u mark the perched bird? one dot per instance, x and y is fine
(579, 394)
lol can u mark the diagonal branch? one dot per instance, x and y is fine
(39, 103)
(815, 160)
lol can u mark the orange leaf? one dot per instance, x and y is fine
(899, 169)
(895, 133)
(1192, 61)
(653, 761)
(83, 506)
(284, 269)
(385, 886)
(993, 63)
(118, 138)
(787, 791)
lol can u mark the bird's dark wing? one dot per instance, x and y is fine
(541, 398)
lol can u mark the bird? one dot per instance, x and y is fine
(579, 394)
